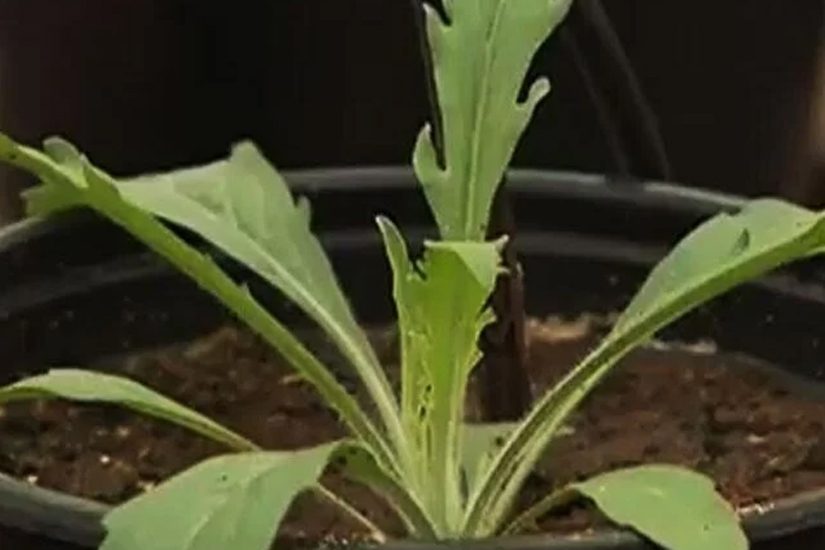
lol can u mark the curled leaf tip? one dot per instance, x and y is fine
(538, 91)
(433, 14)
(501, 242)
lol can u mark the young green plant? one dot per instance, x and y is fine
(445, 478)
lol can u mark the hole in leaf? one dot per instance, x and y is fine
(742, 242)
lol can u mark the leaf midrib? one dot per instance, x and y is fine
(481, 108)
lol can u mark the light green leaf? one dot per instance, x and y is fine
(94, 387)
(722, 253)
(676, 508)
(69, 180)
(441, 313)
(480, 444)
(480, 58)
(359, 465)
(481, 441)
(243, 207)
(234, 501)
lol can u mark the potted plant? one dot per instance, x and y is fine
(409, 438)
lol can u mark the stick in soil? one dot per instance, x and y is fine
(505, 385)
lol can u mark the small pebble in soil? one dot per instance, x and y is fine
(144, 485)
(755, 439)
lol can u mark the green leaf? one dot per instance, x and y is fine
(481, 441)
(676, 508)
(480, 58)
(358, 464)
(441, 305)
(722, 253)
(234, 501)
(93, 387)
(480, 444)
(243, 207)
(69, 180)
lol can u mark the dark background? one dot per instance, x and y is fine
(147, 84)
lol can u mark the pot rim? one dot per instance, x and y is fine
(530, 180)
(77, 520)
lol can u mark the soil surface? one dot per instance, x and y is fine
(722, 414)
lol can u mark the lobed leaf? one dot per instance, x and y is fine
(94, 387)
(722, 253)
(441, 305)
(480, 56)
(233, 501)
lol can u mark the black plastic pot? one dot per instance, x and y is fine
(76, 289)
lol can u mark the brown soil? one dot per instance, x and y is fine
(710, 411)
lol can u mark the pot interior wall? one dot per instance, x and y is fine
(74, 314)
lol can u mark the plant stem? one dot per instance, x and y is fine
(528, 518)
(375, 532)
